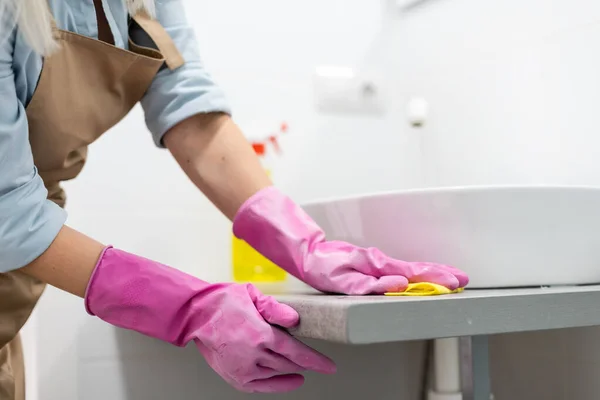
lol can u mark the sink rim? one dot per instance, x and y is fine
(450, 190)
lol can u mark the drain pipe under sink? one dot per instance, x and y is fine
(446, 382)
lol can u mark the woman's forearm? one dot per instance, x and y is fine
(215, 155)
(68, 263)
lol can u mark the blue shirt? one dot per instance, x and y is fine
(28, 221)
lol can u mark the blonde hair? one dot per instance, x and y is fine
(34, 20)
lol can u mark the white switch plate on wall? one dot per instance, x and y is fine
(341, 90)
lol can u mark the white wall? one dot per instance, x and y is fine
(264, 52)
(512, 87)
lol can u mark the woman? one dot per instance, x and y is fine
(65, 79)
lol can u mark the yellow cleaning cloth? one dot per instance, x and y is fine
(424, 289)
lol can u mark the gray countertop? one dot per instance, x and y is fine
(378, 319)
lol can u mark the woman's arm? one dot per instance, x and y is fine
(32, 232)
(188, 113)
(218, 159)
(68, 263)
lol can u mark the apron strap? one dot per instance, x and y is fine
(161, 38)
(104, 31)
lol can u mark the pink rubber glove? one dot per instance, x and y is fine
(233, 326)
(282, 232)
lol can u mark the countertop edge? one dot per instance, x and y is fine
(351, 320)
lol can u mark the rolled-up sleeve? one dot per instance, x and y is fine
(176, 95)
(28, 222)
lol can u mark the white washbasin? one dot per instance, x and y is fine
(500, 236)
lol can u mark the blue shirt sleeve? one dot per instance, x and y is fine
(28, 222)
(189, 90)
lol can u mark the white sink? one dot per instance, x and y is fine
(500, 236)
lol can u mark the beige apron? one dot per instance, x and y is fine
(84, 89)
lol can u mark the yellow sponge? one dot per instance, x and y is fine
(424, 289)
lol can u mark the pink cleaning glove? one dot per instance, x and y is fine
(235, 327)
(281, 231)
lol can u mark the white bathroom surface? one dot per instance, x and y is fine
(380, 319)
(501, 236)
